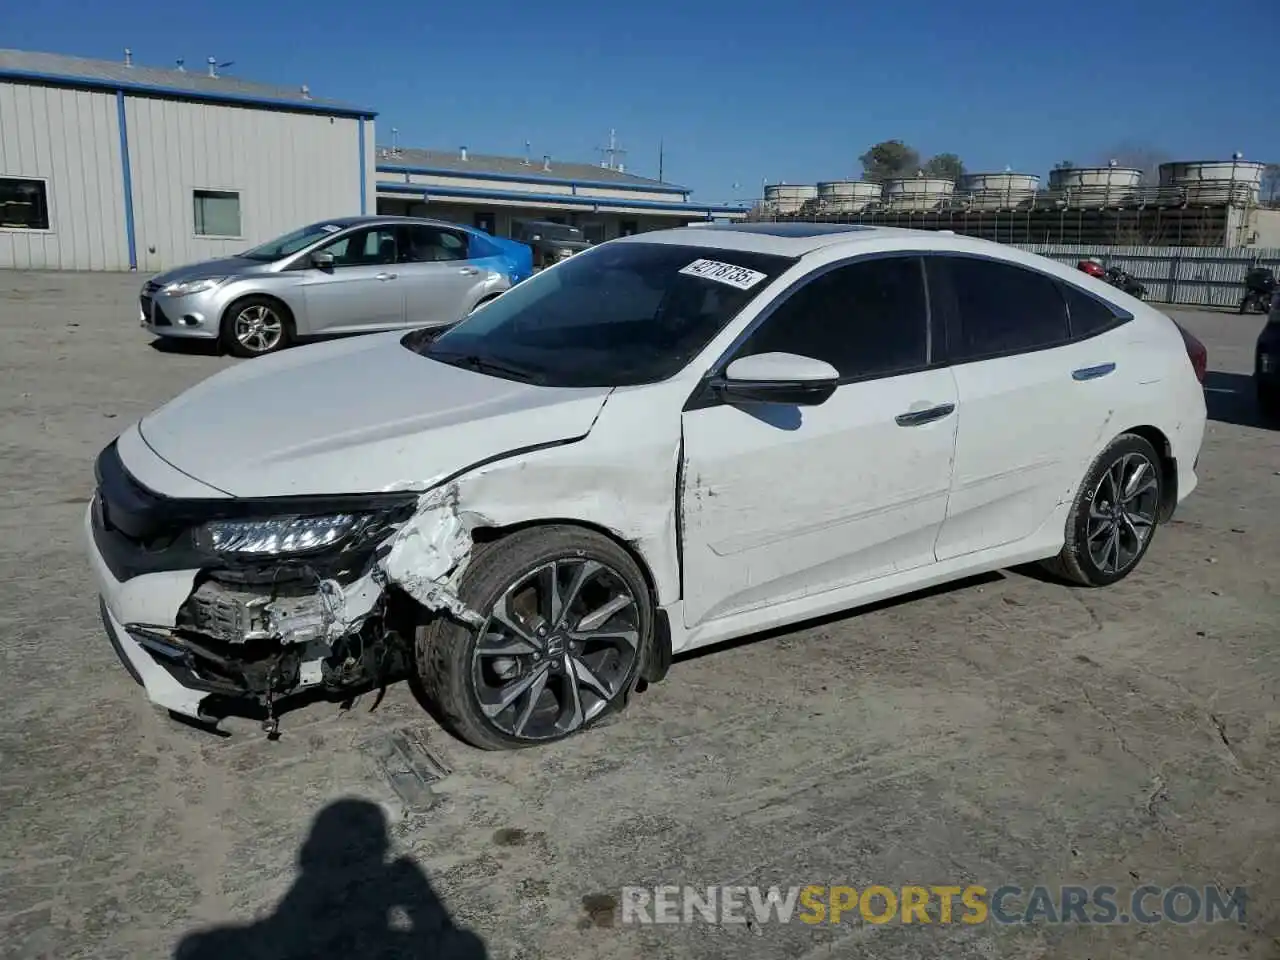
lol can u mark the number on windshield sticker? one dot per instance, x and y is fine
(734, 276)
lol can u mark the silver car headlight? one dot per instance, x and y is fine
(186, 288)
(284, 536)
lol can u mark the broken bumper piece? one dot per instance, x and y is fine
(249, 600)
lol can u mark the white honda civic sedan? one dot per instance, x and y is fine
(666, 441)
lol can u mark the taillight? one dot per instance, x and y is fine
(1196, 352)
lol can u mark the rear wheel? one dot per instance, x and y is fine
(567, 614)
(256, 326)
(1114, 517)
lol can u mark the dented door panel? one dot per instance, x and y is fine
(783, 502)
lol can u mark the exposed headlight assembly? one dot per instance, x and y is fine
(189, 287)
(287, 536)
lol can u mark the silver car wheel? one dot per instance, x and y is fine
(258, 328)
(1122, 513)
(556, 649)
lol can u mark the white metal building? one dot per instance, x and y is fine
(495, 193)
(111, 166)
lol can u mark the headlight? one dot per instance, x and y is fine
(191, 286)
(279, 536)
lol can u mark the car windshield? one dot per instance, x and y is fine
(615, 315)
(291, 243)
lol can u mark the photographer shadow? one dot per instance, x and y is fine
(348, 901)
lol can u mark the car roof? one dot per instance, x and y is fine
(797, 239)
(372, 218)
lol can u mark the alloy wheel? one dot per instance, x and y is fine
(1122, 513)
(556, 649)
(258, 328)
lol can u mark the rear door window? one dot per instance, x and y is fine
(424, 243)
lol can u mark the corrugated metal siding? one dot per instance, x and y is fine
(71, 139)
(289, 169)
(1195, 276)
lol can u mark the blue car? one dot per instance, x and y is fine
(346, 275)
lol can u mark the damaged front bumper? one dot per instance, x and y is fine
(223, 598)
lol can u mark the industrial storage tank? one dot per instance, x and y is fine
(1215, 182)
(788, 198)
(917, 193)
(847, 196)
(999, 191)
(1095, 186)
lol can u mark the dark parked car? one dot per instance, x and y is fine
(1266, 366)
(550, 242)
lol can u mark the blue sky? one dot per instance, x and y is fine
(738, 91)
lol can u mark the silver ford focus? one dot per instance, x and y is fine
(347, 275)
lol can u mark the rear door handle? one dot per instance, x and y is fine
(915, 418)
(469, 271)
(385, 276)
(1092, 373)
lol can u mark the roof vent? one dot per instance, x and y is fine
(462, 153)
(527, 147)
(213, 66)
(546, 162)
(128, 57)
(306, 92)
(182, 65)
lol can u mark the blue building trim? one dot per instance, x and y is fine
(364, 186)
(125, 167)
(427, 191)
(177, 93)
(532, 177)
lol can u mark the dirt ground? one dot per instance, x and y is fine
(1004, 731)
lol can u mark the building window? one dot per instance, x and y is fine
(24, 204)
(487, 221)
(217, 213)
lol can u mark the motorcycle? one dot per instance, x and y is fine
(1127, 282)
(1118, 278)
(1260, 290)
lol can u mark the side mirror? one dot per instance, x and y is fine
(785, 378)
(322, 261)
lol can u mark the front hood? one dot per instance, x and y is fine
(224, 267)
(356, 416)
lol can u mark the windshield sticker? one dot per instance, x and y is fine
(330, 228)
(734, 276)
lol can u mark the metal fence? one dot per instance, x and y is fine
(1195, 276)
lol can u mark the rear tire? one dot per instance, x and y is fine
(1114, 517)
(256, 326)
(539, 669)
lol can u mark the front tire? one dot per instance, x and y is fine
(1114, 517)
(568, 616)
(256, 326)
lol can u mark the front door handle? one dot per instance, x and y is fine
(385, 276)
(469, 271)
(1092, 373)
(915, 418)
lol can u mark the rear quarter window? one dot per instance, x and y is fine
(1087, 314)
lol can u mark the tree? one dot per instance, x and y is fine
(889, 159)
(945, 165)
